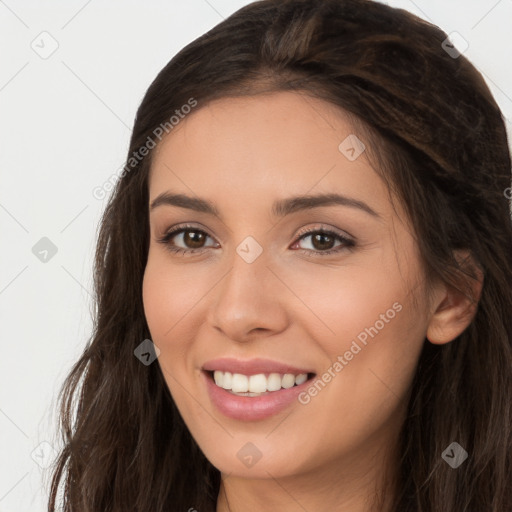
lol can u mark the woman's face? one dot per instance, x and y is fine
(267, 285)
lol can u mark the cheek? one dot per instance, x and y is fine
(157, 300)
(368, 329)
(167, 299)
(174, 299)
(161, 292)
(168, 295)
(370, 361)
(344, 303)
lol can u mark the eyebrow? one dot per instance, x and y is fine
(280, 208)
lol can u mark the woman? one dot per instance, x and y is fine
(303, 279)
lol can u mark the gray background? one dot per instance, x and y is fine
(64, 126)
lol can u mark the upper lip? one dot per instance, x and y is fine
(252, 366)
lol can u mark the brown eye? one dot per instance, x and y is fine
(193, 239)
(323, 242)
(185, 239)
(189, 240)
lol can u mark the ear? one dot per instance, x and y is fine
(453, 309)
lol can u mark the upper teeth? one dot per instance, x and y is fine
(259, 383)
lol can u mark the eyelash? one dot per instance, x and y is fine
(347, 242)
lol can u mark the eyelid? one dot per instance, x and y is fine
(348, 242)
(324, 227)
(174, 230)
(180, 228)
(303, 231)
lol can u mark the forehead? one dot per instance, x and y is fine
(240, 150)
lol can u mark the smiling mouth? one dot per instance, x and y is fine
(259, 384)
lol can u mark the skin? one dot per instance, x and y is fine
(335, 452)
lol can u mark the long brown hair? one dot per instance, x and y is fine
(439, 139)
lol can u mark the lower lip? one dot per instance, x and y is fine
(246, 408)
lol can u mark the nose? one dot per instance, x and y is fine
(249, 301)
